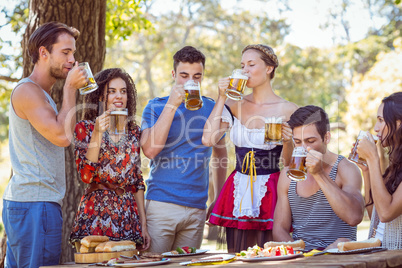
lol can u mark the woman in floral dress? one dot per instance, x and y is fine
(113, 203)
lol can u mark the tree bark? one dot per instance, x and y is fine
(89, 18)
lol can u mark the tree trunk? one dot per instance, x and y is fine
(89, 18)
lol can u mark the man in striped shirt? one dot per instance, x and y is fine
(325, 208)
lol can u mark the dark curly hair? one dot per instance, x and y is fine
(188, 54)
(102, 79)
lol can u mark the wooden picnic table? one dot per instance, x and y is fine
(388, 258)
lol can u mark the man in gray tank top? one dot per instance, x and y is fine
(38, 132)
(325, 208)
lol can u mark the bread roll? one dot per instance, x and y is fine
(93, 240)
(100, 247)
(298, 244)
(84, 249)
(112, 246)
(368, 243)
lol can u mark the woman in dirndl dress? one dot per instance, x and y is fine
(247, 201)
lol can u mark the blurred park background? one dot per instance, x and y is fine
(342, 55)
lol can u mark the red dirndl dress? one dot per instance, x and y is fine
(223, 211)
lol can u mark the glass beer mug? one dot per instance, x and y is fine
(118, 121)
(354, 156)
(297, 168)
(193, 100)
(273, 131)
(237, 84)
(91, 85)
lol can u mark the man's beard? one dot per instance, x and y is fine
(57, 73)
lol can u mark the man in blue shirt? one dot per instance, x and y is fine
(177, 187)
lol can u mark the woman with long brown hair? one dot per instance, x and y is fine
(113, 203)
(383, 192)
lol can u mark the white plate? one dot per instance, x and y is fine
(275, 258)
(225, 257)
(197, 252)
(142, 264)
(360, 250)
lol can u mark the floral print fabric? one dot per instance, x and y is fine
(103, 212)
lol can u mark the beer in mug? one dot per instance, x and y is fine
(237, 84)
(118, 121)
(273, 131)
(354, 156)
(297, 168)
(193, 99)
(91, 85)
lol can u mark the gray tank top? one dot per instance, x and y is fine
(38, 165)
(313, 219)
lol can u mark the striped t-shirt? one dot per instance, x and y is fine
(313, 219)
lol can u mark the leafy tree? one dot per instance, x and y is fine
(367, 91)
(89, 18)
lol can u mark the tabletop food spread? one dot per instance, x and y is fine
(272, 251)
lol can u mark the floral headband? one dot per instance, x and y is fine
(264, 49)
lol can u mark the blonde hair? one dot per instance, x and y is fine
(267, 55)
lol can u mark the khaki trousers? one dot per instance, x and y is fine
(171, 226)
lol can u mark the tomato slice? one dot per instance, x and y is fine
(289, 250)
(278, 251)
(186, 249)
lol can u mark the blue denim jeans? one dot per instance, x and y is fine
(33, 233)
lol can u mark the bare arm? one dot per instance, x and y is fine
(139, 199)
(30, 103)
(288, 145)
(101, 125)
(219, 161)
(345, 199)
(282, 215)
(367, 187)
(287, 135)
(153, 139)
(214, 127)
(388, 206)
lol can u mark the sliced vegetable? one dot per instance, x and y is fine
(289, 250)
(180, 250)
(278, 251)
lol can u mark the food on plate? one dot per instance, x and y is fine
(123, 245)
(351, 245)
(92, 241)
(297, 245)
(184, 250)
(256, 251)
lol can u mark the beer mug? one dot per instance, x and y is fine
(118, 121)
(91, 85)
(193, 100)
(273, 131)
(297, 168)
(237, 84)
(354, 156)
